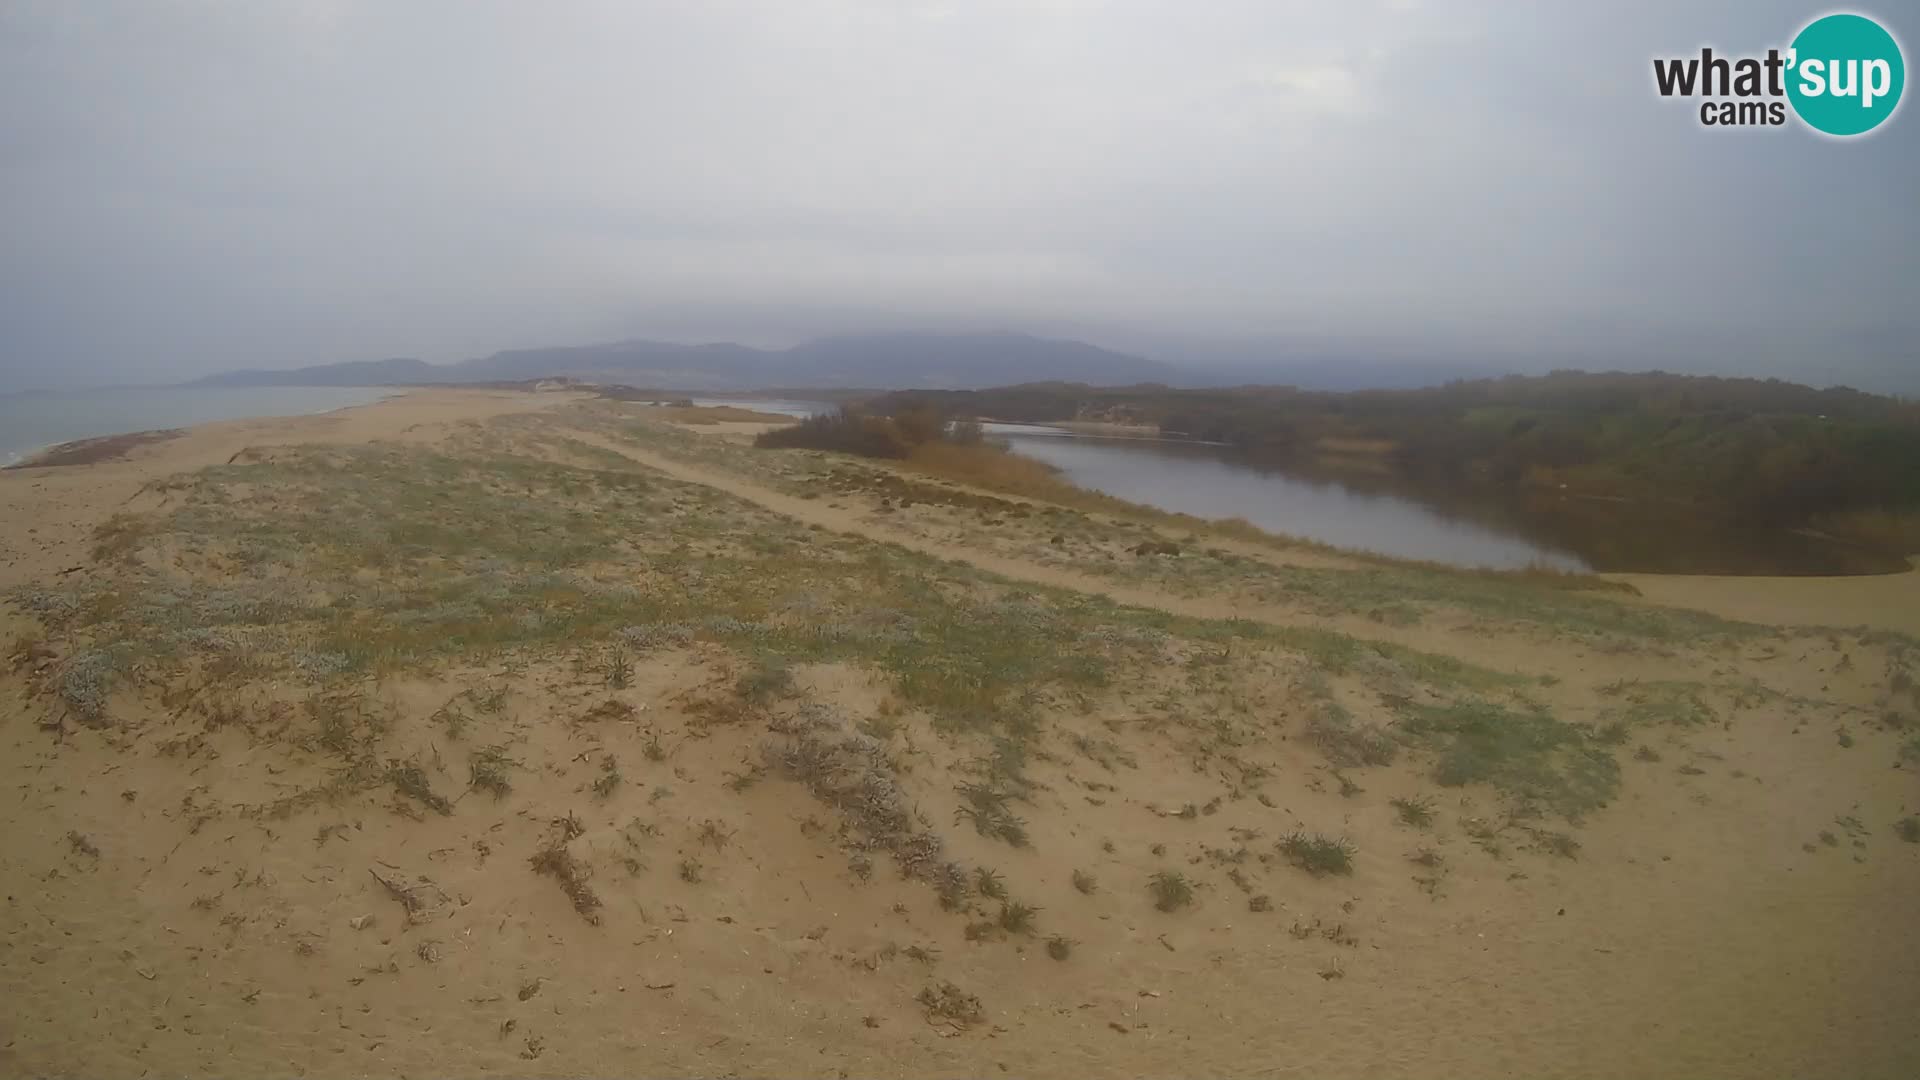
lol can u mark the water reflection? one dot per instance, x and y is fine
(1217, 482)
(1384, 513)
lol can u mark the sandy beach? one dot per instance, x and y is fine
(486, 732)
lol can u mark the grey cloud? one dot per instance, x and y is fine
(192, 186)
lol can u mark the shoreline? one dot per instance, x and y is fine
(1331, 467)
(49, 512)
(34, 456)
(93, 449)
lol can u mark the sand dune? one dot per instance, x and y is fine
(473, 733)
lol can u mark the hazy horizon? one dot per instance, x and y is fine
(189, 188)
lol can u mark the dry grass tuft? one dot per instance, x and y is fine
(556, 862)
(487, 771)
(950, 1003)
(1318, 855)
(409, 779)
(850, 772)
(1171, 890)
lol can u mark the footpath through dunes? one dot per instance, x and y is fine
(1276, 574)
(510, 750)
(1434, 610)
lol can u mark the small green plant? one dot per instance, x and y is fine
(453, 720)
(1908, 829)
(556, 862)
(1417, 812)
(1646, 753)
(1318, 855)
(651, 749)
(1557, 843)
(1060, 947)
(986, 807)
(1085, 883)
(409, 779)
(949, 1003)
(487, 771)
(690, 871)
(1261, 902)
(1171, 890)
(1016, 917)
(609, 779)
(619, 669)
(490, 700)
(989, 884)
(1845, 738)
(1347, 743)
(767, 680)
(950, 883)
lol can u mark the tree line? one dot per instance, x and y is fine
(1757, 451)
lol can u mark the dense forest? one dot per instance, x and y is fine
(1758, 452)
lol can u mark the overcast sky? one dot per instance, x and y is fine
(195, 186)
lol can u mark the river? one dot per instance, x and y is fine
(1216, 482)
(1381, 513)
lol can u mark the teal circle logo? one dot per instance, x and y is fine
(1845, 74)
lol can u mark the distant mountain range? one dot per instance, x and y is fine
(351, 373)
(881, 362)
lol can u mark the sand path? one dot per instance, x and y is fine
(1515, 653)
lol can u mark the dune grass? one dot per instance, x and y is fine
(1527, 754)
(384, 559)
(1030, 503)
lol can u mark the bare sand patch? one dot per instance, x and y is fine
(1887, 601)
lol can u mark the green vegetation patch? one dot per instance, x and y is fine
(1526, 754)
(323, 565)
(1677, 703)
